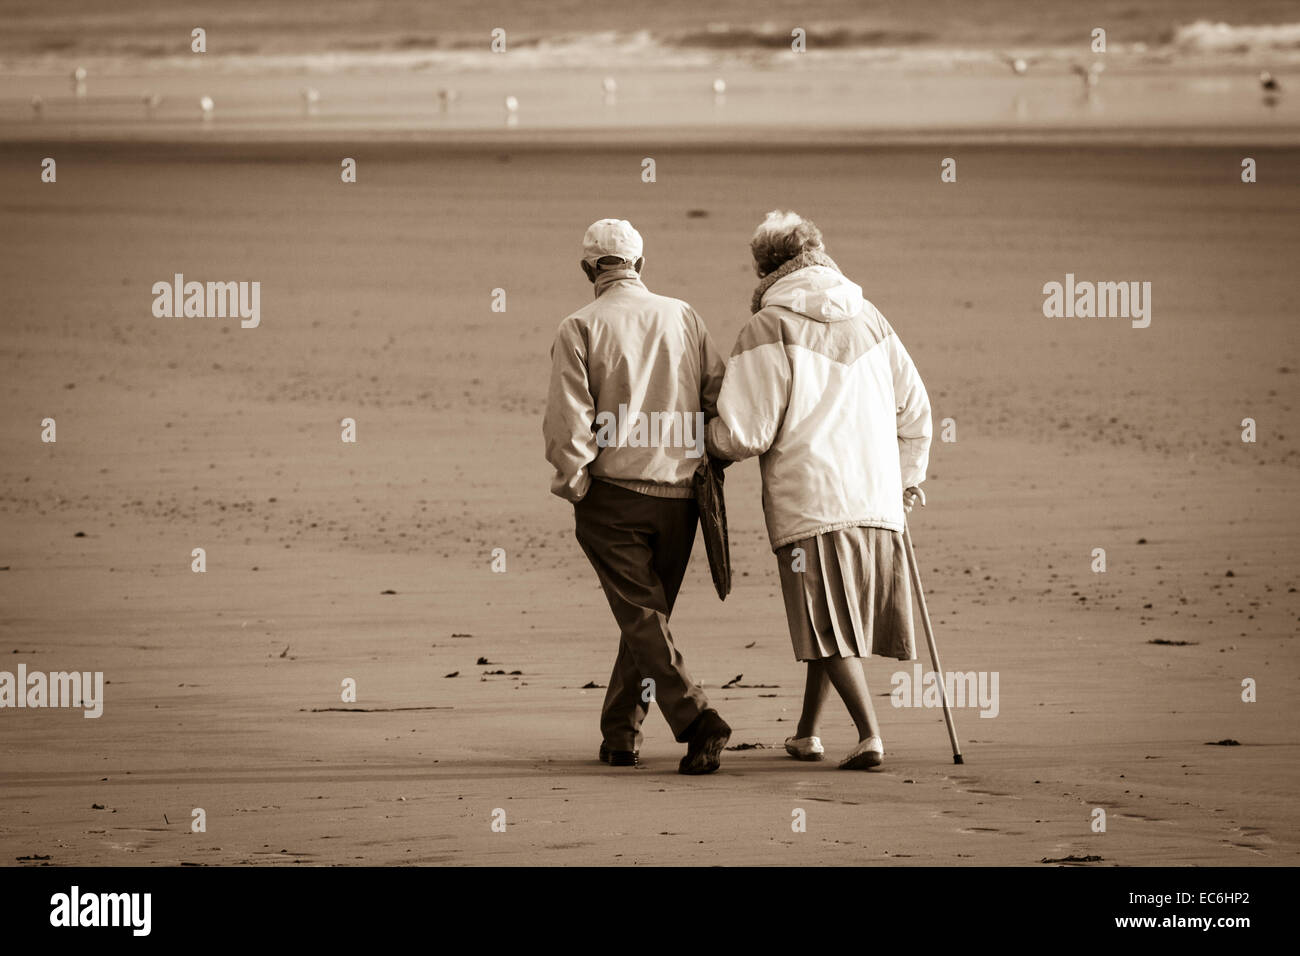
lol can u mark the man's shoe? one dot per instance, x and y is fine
(709, 734)
(618, 758)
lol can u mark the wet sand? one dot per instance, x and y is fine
(1072, 434)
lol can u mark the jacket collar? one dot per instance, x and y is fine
(605, 280)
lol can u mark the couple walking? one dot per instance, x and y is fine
(820, 388)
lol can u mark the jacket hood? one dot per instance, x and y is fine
(820, 293)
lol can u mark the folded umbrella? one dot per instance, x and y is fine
(713, 522)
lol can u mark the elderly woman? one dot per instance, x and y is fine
(819, 386)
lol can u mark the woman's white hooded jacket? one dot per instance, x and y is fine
(821, 388)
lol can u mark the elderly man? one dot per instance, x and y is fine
(634, 377)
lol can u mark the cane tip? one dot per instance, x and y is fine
(957, 758)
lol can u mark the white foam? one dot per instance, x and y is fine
(642, 49)
(1204, 36)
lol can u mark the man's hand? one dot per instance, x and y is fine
(911, 496)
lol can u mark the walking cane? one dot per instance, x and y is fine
(929, 636)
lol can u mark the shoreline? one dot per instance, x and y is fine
(737, 107)
(273, 141)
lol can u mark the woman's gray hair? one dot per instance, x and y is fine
(780, 237)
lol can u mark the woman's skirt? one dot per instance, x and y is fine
(847, 594)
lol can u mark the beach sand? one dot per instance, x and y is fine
(1072, 434)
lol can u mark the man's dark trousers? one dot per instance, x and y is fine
(640, 546)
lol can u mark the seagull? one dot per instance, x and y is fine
(610, 88)
(310, 97)
(151, 102)
(1019, 65)
(446, 97)
(512, 105)
(206, 105)
(719, 86)
(1091, 74)
(1269, 84)
(79, 81)
(38, 104)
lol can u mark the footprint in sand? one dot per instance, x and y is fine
(1257, 836)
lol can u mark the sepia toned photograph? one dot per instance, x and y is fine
(750, 434)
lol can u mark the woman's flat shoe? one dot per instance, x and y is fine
(805, 748)
(868, 753)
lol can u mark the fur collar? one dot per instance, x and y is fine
(802, 261)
